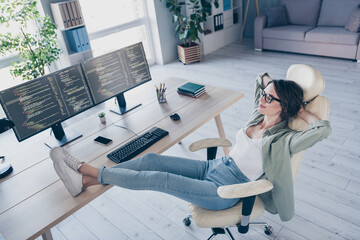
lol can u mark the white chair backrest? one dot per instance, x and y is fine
(312, 83)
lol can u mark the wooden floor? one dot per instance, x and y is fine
(327, 189)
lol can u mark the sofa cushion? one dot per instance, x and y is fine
(276, 16)
(302, 12)
(288, 32)
(336, 35)
(335, 13)
(353, 23)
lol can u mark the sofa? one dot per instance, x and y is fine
(317, 27)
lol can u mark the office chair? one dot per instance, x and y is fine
(251, 206)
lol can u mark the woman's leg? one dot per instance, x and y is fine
(182, 166)
(202, 193)
(152, 162)
(180, 183)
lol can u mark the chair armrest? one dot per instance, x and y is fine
(259, 25)
(209, 142)
(242, 190)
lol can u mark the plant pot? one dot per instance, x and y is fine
(102, 119)
(189, 54)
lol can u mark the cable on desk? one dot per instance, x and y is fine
(126, 129)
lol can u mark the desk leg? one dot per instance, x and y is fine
(47, 235)
(221, 131)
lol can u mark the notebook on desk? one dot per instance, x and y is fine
(191, 89)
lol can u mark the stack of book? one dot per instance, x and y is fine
(191, 89)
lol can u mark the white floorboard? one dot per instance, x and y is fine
(327, 189)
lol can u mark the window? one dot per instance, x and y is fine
(6, 79)
(113, 24)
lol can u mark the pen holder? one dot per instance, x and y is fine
(161, 96)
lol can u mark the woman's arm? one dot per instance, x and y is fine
(262, 80)
(265, 80)
(307, 116)
(318, 130)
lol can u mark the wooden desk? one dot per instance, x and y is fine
(33, 199)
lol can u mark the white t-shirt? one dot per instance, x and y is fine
(247, 154)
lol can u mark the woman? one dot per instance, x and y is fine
(263, 149)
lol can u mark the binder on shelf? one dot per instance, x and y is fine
(86, 38)
(67, 16)
(72, 18)
(73, 40)
(81, 38)
(75, 13)
(78, 10)
(218, 22)
(63, 15)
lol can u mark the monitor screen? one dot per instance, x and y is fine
(116, 72)
(39, 104)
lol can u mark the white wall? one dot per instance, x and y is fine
(163, 32)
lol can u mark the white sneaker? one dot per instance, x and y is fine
(71, 179)
(70, 160)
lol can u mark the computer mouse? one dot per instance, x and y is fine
(175, 116)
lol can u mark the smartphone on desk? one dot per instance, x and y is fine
(103, 140)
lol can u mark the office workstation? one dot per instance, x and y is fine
(41, 200)
(119, 76)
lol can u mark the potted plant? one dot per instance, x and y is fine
(102, 117)
(189, 27)
(37, 49)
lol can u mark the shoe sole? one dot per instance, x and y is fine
(65, 178)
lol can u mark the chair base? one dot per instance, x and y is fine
(225, 230)
(217, 231)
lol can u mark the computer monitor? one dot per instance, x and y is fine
(45, 102)
(114, 73)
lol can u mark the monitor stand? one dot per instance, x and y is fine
(123, 108)
(60, 138)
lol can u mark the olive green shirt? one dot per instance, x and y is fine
(279, 143)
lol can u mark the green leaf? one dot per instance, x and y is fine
(177, 29)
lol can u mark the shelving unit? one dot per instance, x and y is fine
(212, 40)
(67, 16)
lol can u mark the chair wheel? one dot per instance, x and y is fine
(187, 221)
(268, 230)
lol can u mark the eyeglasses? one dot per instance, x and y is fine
(268, 97)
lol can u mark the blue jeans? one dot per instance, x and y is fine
(191, 180)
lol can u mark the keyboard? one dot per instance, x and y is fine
(137, 145)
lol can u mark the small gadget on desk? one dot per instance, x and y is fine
(103, 140)
(175, 116)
